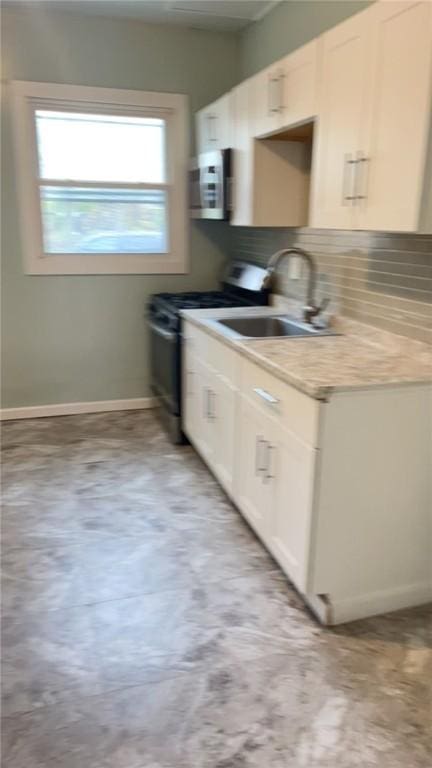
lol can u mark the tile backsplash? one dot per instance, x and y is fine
(381, 279)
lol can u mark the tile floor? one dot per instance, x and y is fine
(146, 627)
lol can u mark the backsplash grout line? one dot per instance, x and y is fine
(379, 278)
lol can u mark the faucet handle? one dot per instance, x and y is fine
(324, 304)
(310, 311)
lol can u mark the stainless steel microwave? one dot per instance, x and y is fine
(210, 184)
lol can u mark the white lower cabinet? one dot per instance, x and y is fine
(190, 393)
(255, 486)
(339, 492)
(293, 473)
(275, 488)
(223, 413)
(196, 400)
(209, 413)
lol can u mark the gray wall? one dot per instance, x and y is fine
(73, 338)
(288, 26)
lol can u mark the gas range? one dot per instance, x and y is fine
(243, 285)
(165, 307)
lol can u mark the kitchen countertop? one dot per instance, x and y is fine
(361, 357)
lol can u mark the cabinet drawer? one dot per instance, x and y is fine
(292, 410)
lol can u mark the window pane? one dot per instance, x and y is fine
(104, 220)
(83, 147)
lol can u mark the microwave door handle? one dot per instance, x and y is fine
(211, 177)
(201, 184)
(219, 187)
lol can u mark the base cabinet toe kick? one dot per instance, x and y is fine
(339, 492)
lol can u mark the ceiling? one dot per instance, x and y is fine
(223, 15)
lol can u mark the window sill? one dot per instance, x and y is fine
(108, 264)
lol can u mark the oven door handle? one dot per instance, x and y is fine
(168, 335)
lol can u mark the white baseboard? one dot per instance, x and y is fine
(69, 409)
(373, 604)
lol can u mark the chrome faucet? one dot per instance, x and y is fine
(310, 310)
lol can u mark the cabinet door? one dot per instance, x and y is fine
(391, 168)
(293, 478)
(345, 89)
(254, 486)
(190, 387)
(213, 125)
(299, 100)
(221, 123)
(222, 415)
(197, 403)
(266, 101)
(206, 433)
(242, 144)
(203, 130)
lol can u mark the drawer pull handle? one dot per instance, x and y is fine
(260, 443)
(269, 474)
(266, 396)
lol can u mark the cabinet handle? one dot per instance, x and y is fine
(212, 405)
(348, 181)
(212, 133)
(206, 403)
(189, 385)
(259, 445)
(272, 95)
(266, 396)
(361, 180)
(269, 474)
(281, 92)
(269, 95)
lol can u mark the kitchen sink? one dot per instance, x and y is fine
(270, 327)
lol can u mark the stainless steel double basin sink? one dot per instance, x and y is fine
(273, 326)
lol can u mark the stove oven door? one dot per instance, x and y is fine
(165, 366)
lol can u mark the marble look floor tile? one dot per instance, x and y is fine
(163, 631)
(41, 579)
(116, 568)
(219, 562)
(139, 727)
(117, 516)
(79, 521)
(261, 613)
(146, 627)
(39, 525)
(283, 712)
(27, 457)
(47, 658)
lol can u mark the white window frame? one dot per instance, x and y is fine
(27, 96)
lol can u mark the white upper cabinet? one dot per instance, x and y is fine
(266, 101)
(213, 125)
(300, 84)
(345, 89)
(374, 119)
(366, 87)
(242, 145)
(270, 177)
(286, 94)
(391, 165)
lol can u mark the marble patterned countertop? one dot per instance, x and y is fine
(360, 357)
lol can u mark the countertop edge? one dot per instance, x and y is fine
(322, 393)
